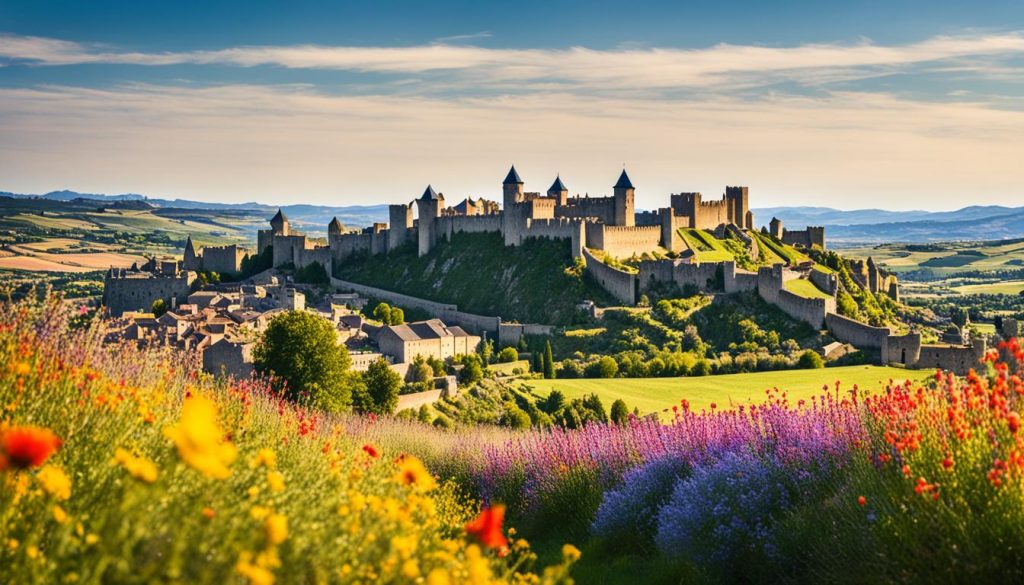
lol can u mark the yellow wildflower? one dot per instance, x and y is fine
(140, 468)
(404, 546)
(259, 512)
(477, 566)
(91, 539)
(276, 528)
(410, 569)
(12, 543)
(571, 553)
(32, 551)
(255, 574)
(253, 492)
(60, 515)
(55, 482)
(266, 458)
(412, 472)
(438, 577)
(276, 481)
(198, 439)
(22, 368)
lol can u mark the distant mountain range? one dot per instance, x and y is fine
(976, 222)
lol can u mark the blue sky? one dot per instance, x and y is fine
(848, 104)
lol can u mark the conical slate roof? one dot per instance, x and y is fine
(189, 247)
(429, 194)
(279, 217)
(624, 182)
(512, 177)
(335, 226)
(558, 185)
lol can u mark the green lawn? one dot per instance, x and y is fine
(805, 288)
(660, 394)
(705, 245)
(788, 253)
(507, 368)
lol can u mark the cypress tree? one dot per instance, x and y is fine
(549, 362)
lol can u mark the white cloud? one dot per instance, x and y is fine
(572, 68)
(293, 144)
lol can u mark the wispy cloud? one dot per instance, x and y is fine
(292, 143)
(718, 66)
(457, 39)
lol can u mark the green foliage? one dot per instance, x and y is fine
(620, 412)
(313, 273)
(158, 308)
(606, 367)
(519, 280)
(389, 315)
(472, 369)
(301, 350)
(810, 360)
(508, 355)
(382, 385)
(549, 363)
(487, 352)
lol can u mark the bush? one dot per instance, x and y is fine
(382, 385)
(620, 412)
(302, 350)
(627, 518)
(810, 360)
(606, 367)
(508, 355)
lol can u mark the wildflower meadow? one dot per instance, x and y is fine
(125, 464)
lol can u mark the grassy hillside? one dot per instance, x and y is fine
(726, 391)
(537, 282)
(944, 259)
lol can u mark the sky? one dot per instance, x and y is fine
(895, 104)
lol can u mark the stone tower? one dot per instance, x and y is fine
(739, 204)
(400, 222)
(429, 207)
(512, 188)
(558, 191)
(775, 228)
(624, 214)
(335, 228)
(279, 224)
(191, 260)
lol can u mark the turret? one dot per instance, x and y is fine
(558, 191)
(738, 200)
(624, 214)
(279, 224)
(512, 188)
(775, 228)
(399, 224)
(190, 261)
(335, 228)
(429, 207)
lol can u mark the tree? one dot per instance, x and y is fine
(516, 418)
(382, 387)
(158, 308)
(810, 360)
(620, 412)
(312, 273)
(487, 352)
(593, 403)
(382, 312)
(397, 316)
(302, 350)
(472, 371)
(554, 401)
(606, 367)
(701, 368)
(549, 362)
(521, 346)
(508, 355)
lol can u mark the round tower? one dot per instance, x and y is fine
(558, 191)
(429, 207)
(775, 228)
(624, 213)
(512, 188)
(279, 224)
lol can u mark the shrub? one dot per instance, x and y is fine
(620, 412)
(508, 355)
(382, 386)
(628, 515)
(606, 367)
(810, 360)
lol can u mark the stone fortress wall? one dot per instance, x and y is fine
(129, 290)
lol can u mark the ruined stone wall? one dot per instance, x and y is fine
(828, 282)
(902, 349)
(683, 274)
(602, 208)
(450, 314)
(226, 358)
(121, 293)
(811, 311)
(958, 359)
(856, 333)
(812, 236)
(510, 333)
(625, 241)
(736, 279)
(223, 259)
(619, 284)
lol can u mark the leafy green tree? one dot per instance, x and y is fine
(508, 355)
(487, 352)
(549, 362)
(593, 403)
(425, 415)
(516, 417)
(701, 368)
(382, 387)
(472, 370)
(302, 350)
(554, 401)
(397, 316)
(810, 360)
(158, 308)
(382, 312)
(620, 412)
(521, 346)
(312, 273)
(606, 367)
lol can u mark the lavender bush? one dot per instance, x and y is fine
(627, 517)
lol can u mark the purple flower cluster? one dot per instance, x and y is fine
(629, 513)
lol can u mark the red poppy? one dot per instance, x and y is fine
(371, 450)
(1013, 420)
(862, 501)
(487, 527)
(24, 447)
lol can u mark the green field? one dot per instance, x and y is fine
(943, 259)
(805, 288)
(1009, 287)
(706, 247)
(787, 253)
(730, 390)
